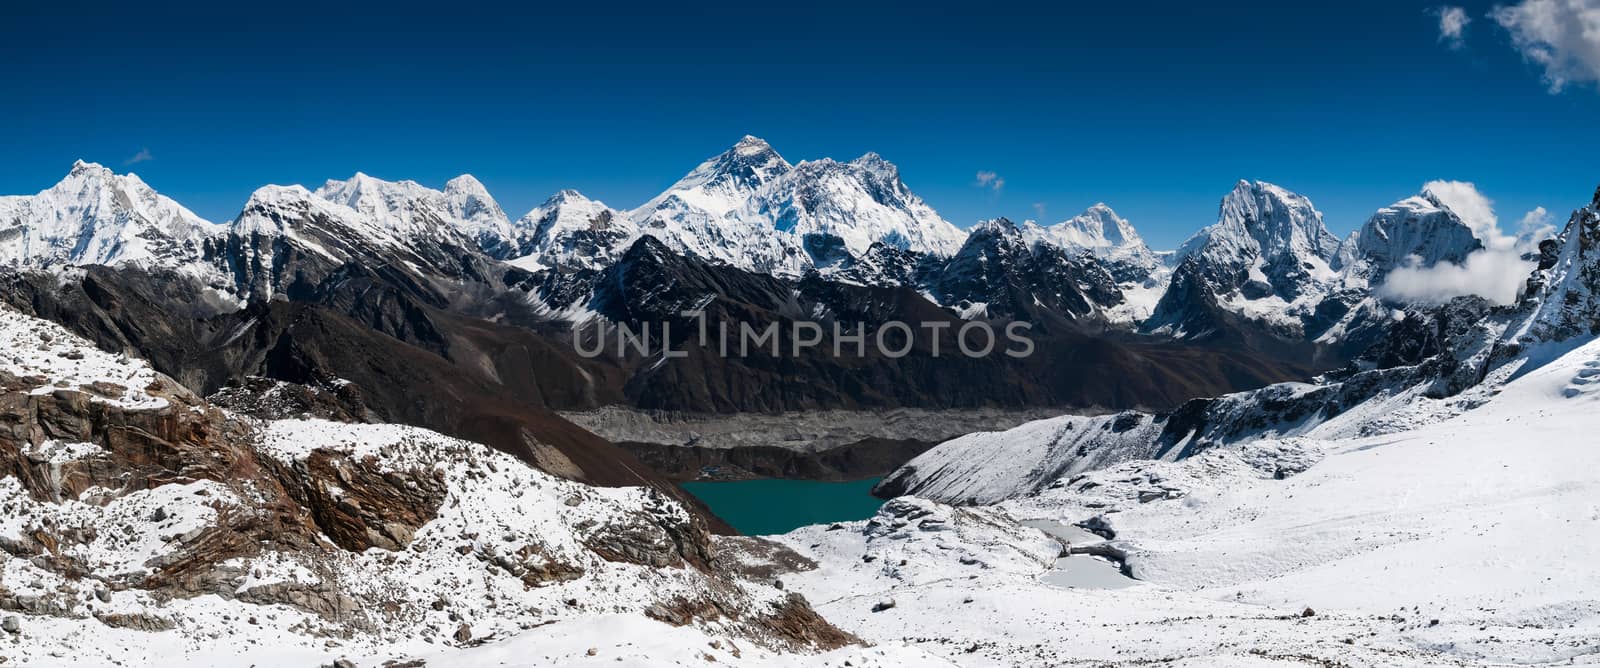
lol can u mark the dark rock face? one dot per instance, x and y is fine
(652, 285)
(1562, 297)
(997, 268)
(357, 505)
(268, 399)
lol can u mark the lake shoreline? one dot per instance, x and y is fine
(772, 506)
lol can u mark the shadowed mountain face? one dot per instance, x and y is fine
(1070, 364)
(395, 314)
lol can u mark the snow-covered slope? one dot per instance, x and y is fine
(1467, 541)
(144, 527)
(1457, 516)
(94, 216)
(1427, 368)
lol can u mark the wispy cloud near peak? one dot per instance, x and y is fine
(990, 180)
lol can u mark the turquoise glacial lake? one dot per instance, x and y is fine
(769, 506)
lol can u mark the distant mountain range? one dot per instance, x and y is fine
(1267, 274)
(449, 314)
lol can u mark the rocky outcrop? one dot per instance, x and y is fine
(180, 443)
(662, 536)
(358, 505)
(143, 507)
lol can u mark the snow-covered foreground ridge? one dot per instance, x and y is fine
(144, 527)
(1471, 541)
(1436, 506)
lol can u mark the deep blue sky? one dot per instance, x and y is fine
(1156, 110)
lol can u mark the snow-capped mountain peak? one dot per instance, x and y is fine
(1268, 257)
(1098, 228)
(861, 202)
(1000, 227)
(1562, 298)
(721, 184)
(462, 215)
(469, 200)
(752, 145)
(1265, 226)
(1270, 220)
(694, 214)
(95, 216)
(571, 229)
(749, 207)
(407, 207)
(275, 211)
(477, 213)
(876, 164)
(1420, 228)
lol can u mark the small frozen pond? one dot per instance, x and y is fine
(1073, 535)
(1081, 571)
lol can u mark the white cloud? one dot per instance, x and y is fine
(1496, 273)
(1562, 36)
(1475, 210)
(990, 180)
(142, 156)
(1535, 226)
(1452, 25)
(1038, 209)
